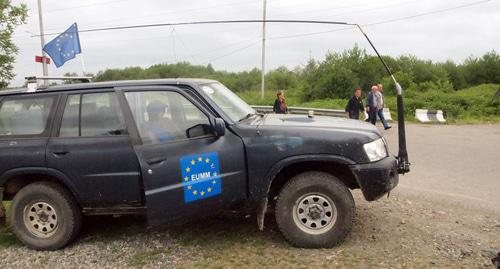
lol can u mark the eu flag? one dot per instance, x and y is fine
(200, 176)
(65, 46)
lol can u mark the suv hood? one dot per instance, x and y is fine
(303, 121)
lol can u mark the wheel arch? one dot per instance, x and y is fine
(287, 168)
(15, 179)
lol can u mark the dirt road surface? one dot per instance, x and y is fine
(444, 214)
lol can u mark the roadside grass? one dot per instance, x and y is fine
(7, 238)
(474, 105)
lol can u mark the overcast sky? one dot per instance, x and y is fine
(454, 34)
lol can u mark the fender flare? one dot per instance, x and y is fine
(54, 173)
(280, 165)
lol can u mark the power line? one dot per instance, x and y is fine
(84, 6)
(429, 13)
(272, 21)
(171, 12)
(185, 46)
(232, 52)
(392, 4)
(382, 22)
(276, 21)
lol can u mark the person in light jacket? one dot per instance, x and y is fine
(380, 106)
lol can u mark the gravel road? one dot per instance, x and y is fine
(444, 214)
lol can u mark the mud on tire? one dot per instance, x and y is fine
(315, 210)
(45, 216)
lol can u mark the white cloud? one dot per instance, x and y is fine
(449, 35)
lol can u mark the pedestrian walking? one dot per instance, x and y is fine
(380, 106)
(371, 105)
(280, 106)
(355, 105)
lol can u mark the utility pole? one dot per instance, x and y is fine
(42, 42)
(263, 70)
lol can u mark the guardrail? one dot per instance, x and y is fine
(429, 115)
(305, 110)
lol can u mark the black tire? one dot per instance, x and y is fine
(58, 202)
(315, 185)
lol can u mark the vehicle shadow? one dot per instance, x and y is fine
(222, 229)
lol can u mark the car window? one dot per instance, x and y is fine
(24, 116)
(93, 114)
(163, 116)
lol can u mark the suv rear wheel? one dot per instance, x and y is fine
(45, 216)
(315, 210)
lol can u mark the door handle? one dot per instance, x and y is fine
(60, 152)
(156, 160)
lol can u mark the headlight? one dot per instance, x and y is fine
(375, 150)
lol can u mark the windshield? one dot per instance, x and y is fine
(229, 102)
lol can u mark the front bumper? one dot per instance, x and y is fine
(377, 178)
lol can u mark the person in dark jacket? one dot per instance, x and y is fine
(355, 105)
(371, 105)
(280, 106)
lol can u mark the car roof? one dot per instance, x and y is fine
(109, 84)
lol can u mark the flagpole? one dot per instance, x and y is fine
(42, 41)
(83, 64)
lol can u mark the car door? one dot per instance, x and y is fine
(187, 170)
(91, 146)
(25, 122)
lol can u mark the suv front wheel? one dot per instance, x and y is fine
(315, 210)
(45, 216)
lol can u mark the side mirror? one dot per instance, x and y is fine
(219, 127)
(198, 130)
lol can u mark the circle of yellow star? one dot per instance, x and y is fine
(202, 193)
(207, 160)
(195, 192)
(215, 174)
(192, 162)
(209, 189)
(213, 182)
(200, 159)
(186, 178)
(190, 187)
(188, 169)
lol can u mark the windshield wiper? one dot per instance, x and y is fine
(249, 115)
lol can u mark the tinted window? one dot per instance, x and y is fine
(164, 116)
(70, 122)
(93, 114)
(24, 116)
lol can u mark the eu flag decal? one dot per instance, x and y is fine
(200, 176)
(65, 46)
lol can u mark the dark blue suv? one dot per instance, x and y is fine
(180, 149)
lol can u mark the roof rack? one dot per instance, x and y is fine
(32, 82)
(36, 78)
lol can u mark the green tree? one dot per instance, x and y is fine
(281, 79)
(10, 17)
